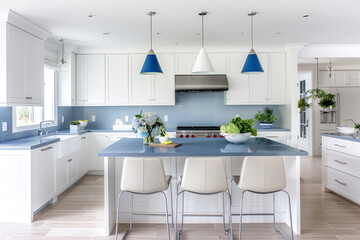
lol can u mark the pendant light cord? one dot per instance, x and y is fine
(151, 31)
(317, 72)
(252, 32)
(202, 30)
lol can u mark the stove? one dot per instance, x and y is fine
(198, 132)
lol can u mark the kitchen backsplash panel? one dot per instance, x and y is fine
(201, 108)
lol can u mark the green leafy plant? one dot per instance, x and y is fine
(74, 123)
(238, 125)
(266, 117)
(356, 124)
(325, 99)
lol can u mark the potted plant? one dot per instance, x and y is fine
(148, 126)
(238, 130)
(74, 126)
(265, 119)
(356, 133)
(326, 100)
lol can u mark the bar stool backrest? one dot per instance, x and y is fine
(204, 175)
(143, 175)
(263, 174)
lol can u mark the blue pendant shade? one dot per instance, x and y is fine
(252, 64)
(151, 65)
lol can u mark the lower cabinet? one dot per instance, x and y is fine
(99, 141)
(281, 137)
(43, 169)
(66, 171)
(84, 158)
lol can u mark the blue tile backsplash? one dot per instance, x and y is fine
(201, 108)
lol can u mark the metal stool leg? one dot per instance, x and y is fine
(117, 218)
(182, 212)
(274, 216)
(241, 213)
(223, 208)
(171, 205)
(167, 215)
(291, 224)
(230, 216)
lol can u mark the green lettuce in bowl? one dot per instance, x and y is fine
(238, 130)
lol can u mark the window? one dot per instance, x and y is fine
(29, 117)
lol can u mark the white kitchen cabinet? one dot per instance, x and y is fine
(277, 84)
(99, 141)
(117, 79)
(43, 170)
(22, 67)
(353, 78)
(281, 137)
(90, 79)
(67, 82)
(259, 83)
(61, 174)
(239, 84)
(152, 90)
(219, 62)
(73, 166)
(84, 159)
(342, 78)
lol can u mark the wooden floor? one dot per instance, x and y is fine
(78, 214)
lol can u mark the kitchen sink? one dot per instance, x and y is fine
(62, 137)
(68, 144)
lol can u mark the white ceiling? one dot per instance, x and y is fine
(331, 22)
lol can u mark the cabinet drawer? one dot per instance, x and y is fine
(343, 146)
(343, 162)
(275, 136)
(343, 184)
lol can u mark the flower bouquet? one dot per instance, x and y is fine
(148, 126)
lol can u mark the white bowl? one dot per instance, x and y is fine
(164, 139)
(236, 138)
(83, 124)
(346, 130)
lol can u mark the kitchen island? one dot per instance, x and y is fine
(174, 159)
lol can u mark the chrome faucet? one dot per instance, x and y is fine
(43, 131)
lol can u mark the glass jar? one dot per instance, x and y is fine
(357, 133)
(149, 139)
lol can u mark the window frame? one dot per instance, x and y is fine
(37, 126)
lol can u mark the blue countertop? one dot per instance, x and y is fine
(340, 136)
(201, 147)
(28, 143)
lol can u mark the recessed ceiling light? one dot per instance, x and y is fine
(106, 34)
(197, 34)
(92, 16)
(306, 16)
(243, 33)
(278, 33)
(176, 43)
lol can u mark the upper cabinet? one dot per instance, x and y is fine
(21, 67)
(341, 78)
(184, 63)
(67, 82)
(269, 87)
(152, 89)
(117, 79)
(90, 79)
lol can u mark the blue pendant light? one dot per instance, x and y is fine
(151, 65)
(252, 63)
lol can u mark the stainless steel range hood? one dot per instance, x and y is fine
(201, 82)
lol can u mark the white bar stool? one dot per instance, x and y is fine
(204, 176)
(263, 175)
(143, 176)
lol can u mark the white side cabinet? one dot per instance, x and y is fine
(90, 79)
(99, 141)
(152, 90)
(21, 67)
(281, 137)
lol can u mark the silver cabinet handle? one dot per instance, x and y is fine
(45, 149)
(83, 138)
(341, 162)
(272, 136)
(28, 97)
(344, 184)
(337, 145)
(70, 160)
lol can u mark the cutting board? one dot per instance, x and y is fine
(171, 145)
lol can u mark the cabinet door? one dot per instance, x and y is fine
(84, 160)
(72, 164)
(163, 89)
(80, 79)
(324, 79)
(43, 169)
(354, 78)
(277, 78)
(99, 141)
(117, 79)
(34, 70)
(184, 63)
(218, 62)
(95, 79)
(238, 92)
(61, 174)
(16, 64)
(259, 82)
(140, 85)
(341, 78)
